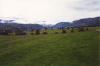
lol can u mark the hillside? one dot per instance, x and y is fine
(23, 26)
(28, 26)
(61, 24)
(93, 23)
(69, 49)
(88, 21)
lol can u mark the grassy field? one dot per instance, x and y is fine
(69, 49)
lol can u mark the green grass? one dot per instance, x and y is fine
(69, 49)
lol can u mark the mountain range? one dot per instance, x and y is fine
(61, 24)
(86, 21)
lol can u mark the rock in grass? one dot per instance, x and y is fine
(37, 32)
(63, 31)
(32, 29)
(71, 30)
(51, 28)
(68, 27)
(86, 29)
(32, 33)
(81, 29)
(56, 33)
(18, 31)
(24, 33)
(45, 28)
(62, 27)
(44, 33)
(98, 30)
(5, 32)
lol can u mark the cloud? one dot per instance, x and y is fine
(87, 5)
(50, 11)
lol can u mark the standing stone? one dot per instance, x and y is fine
(37, 32)
(24, 33)
(68, 27)
(18, 31)
(32, 29)
(63, 31)
(51, 28)
(81, 29)
(32, 33)
(86, 29)
(56, 33)
(44, 33)
(72, 31)
(45, 28)
(60, 27)
(5, 32)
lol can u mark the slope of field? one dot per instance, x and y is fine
(70, 49)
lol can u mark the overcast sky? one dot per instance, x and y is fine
(48, 11)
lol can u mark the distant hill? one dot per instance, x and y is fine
(22, 26)
(93, 22)
(61, 24)
(44, 25)
(8, 27)
(1, 24)
(87, 21)
(28, 26)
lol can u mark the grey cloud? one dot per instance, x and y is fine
(40, 21)
(92, 3)
(16, 18)
(96, 9)
(11, 18)
(87, 9)
(87, 5)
